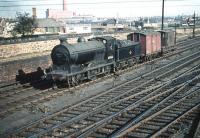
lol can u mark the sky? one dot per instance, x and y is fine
(103, 8)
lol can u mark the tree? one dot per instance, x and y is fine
(139, 24)
(24, 25)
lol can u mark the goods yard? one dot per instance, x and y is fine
(99, 69)
(156, 95)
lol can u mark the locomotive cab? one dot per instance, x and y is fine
(109, 43)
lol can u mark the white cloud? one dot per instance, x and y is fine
(124, 8)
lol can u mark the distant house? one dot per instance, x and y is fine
(110, 22)
(78, 28)
(112, 25)
(49, 26)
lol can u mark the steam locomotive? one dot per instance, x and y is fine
(73, 63)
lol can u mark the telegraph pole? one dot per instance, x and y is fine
(162, 26)
(163, 5)
(193, 34)
(175, 35)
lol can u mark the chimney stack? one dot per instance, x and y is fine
(34, 13)
(64, 5)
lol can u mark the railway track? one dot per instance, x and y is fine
(195, 129)
(7, 84)
(36, 98)
(10, 88)
(187, 41)
(15, 97)
(82, 109)
(9, 105)
(103, 115)
(167, 121)
(92, 122)
(9, 91)
(115, 124)
(181, 46)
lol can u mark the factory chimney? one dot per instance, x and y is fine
(64, 5)
(34, 13)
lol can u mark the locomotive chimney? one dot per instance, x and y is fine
(64, 5)
(63, 40)
(81, 39)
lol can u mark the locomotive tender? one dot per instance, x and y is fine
(73, 63)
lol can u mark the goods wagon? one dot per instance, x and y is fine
(167, 38)
(150, 43)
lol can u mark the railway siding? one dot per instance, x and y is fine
(74, 113)
(51, 95)
(167, 117)
(118, 109)
(147, 83)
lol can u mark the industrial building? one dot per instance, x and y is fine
(56, 14)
